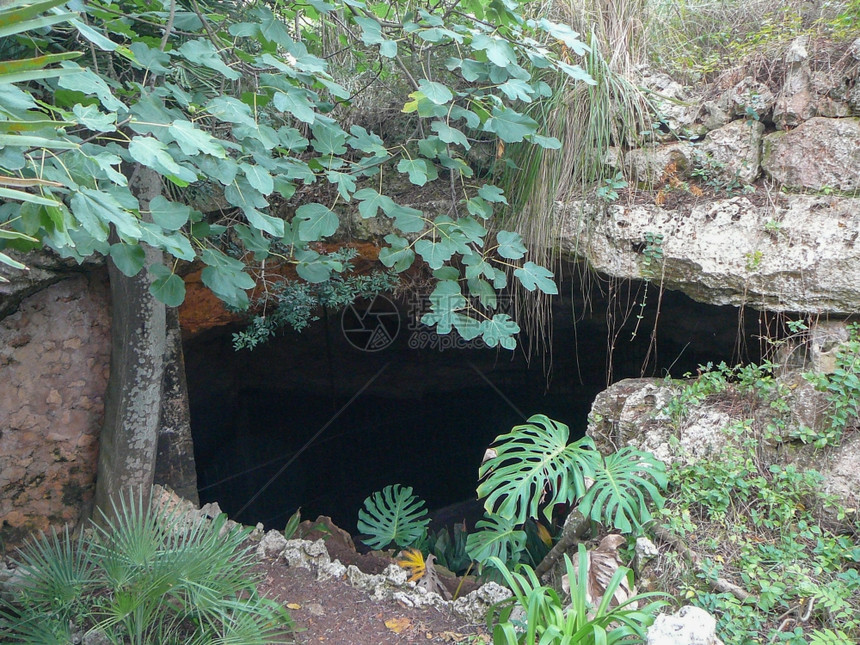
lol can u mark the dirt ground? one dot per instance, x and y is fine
(333, 612)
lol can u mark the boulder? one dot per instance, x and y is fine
(688, 626)
(796, 101)
(750, 97)
(634, 412)
(673, 104)
(649, 165)
(733, 152)
(795, 253)
(821, 154)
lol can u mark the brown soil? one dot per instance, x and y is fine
(333, 612)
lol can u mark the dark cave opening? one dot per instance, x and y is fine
(310, 420)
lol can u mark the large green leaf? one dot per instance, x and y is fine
(128, 258)
(28, 69)
(154, 154)
(498, 537)
(435, 92)
(167, 287)
(393, 514)
(192, 139)
(203, 52)
(169, 215)
(88, 82)
(510, 126)
(97, 209)
(498, 50)
(511, 245)
(626, 483)
(500, 330)
(397, 256)
(533, 276)
(315, 222)
(226, 277)
(534, 464)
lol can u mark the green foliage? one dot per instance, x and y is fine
(295, 304)
(626, 483)
(497, 537)
(533, 470)
(608, 192)
(550, 621)
(761, 527)
(449, 547)
(235, 109)
(711, 172)
(652, 253)
(150, 576)
(842, 388)
(533, 464)
(696, 38)
(395, 515)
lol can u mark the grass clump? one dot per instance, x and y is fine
(696, 39)
(149, 576)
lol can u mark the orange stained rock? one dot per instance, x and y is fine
(203, 310)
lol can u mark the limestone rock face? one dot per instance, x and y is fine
(633, 412)
(649, 164)
(736, 149)
(688, 626)
(44, 268)
(797, 253)
(750, 97)
(795, 103)
(819, 154)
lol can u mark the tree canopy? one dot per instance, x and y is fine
(235, 108)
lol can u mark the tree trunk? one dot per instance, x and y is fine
(133, 400)
(174, 463)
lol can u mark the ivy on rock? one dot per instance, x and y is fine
(235, 108)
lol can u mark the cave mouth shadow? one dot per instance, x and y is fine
(317, 424)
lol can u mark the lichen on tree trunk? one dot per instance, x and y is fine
(133, 400)
(174, 462)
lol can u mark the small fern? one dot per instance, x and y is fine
(393, 514)
(534, 464)
(625, 482)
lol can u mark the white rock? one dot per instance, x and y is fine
(304, 554)
(644, 551)
(797, 253)
(333, 569)
(474, 606)
(271, 545)
(818, 154)
(826, 339)
(688, 626)
(733, 152)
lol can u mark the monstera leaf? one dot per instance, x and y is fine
(393, 514)
(496, 537)
(533, 463)
(625, 483)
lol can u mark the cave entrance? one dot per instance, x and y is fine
(322, 418)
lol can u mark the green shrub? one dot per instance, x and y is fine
(533, 470)
(150, 576)
(550, 621)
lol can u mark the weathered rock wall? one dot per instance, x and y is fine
(709, 226)
(54, 361)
